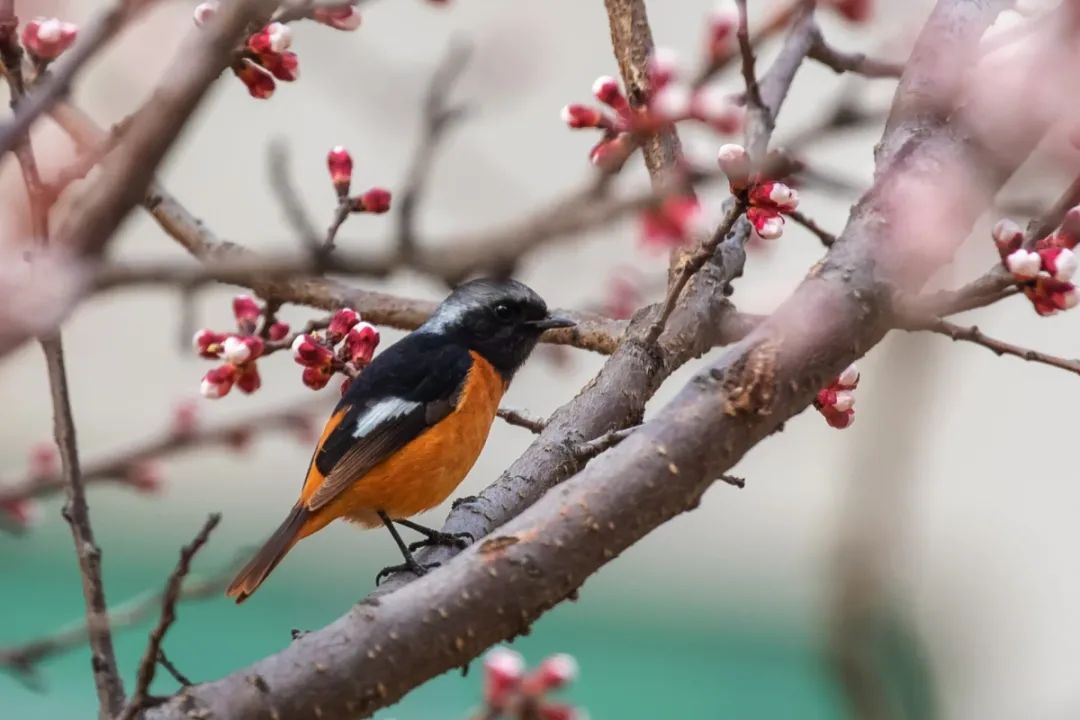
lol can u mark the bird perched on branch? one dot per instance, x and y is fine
(411, 425)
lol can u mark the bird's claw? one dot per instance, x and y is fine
(460, 541)
(414, 567)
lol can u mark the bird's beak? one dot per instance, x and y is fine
(551, 322)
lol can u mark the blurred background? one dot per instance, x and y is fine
(924, 557)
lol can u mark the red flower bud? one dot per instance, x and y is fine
(361, 343)
(284, 66)
(309, 352)
(341, 323)
(375, 200)
(259, 82)
(241, 349)
(274, 38)
(606, 90)
(582, 116)
(340, 164)
(46, 38)
(558, 711)
(247, 378)
(145, 476)
(278, 330)
(345, 18)
(208, 343)
(218, 382)
(185, 418)
(316, 377)
(503, 670)
(246, 308)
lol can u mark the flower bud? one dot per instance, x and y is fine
(734, 161)
(274, 38)
(582, 116)
(1024, 264)
(1061, 263)
(316, 377)
(278, 331)
(284, 66)
(259, 82)
(503, 670)
(247, 378)
(307, 351)
(46, 38)
(340, 164)
(375, 200)
(361, 343)
(218, 382)
(342, 321)
(849, 379)
(208, 343)
(146, 476)
(204, 11)
(341, 18)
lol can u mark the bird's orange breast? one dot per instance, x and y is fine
(424, 472)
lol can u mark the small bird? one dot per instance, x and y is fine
(411, 425)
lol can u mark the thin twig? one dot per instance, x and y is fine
(438, 117)
(174, 671)
(116, 466)
(110, 688)
(999, 347)
(169, 598)
(827, 238)
(858, 63)
(522, 419)
(23, 659)
(591, 448)
(288, 198)
(691, 265)
(746, 49)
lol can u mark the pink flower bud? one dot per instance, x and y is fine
(218, 382)
(1008, 236)
(856, 11)
(145, 476)
(672, 222)
(208, 343)
(844, 400)
(1024, 264)
(185, 418)
(46, 38)
(316, 377)
(1061, 263)
(235, 350)
(340, 164)
(278, 330)
(375, 200)
(22, 513)
(307, 351)
(503, 670)
(341, 323)
(672, 102)
(284, 65)
(712, 105)
(245, 308)
(840, 420)
(44, 460)
(734, 161)
(247, 378)
(775, 195)
(849, 379)
(722, 25)
(259, 82)
(343, 18)
(606, 90)
(767, 222)
(274, 38)
(556, 672)
(361, 343)
(663, 66)
(204, 11)
(582, 116)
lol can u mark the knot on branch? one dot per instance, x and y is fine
(749, 384)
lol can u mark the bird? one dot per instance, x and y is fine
(410, 426)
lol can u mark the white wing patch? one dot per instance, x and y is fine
(382, 412)
(446, 316)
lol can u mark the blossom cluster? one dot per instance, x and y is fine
(340, 165)
(767, 200)
(837, 401)
(1044, 271)
(46, 38)
(511, 692)
(668, 98)
(239, 350)
(266, 57)
(346, 345)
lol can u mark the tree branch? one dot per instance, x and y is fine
(858, 63)
(110, 688)
(169, 598)
(999, 347)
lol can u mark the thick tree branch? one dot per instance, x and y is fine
(497, 587)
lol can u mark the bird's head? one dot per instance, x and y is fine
(500, 319)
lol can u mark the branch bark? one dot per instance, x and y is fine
(496, 588)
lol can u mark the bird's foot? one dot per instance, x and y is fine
(412, 566)
(441, 539)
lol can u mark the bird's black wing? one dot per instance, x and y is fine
(407, 389)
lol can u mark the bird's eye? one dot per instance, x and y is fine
(503, 311)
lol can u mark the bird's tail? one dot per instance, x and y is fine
(288, 534)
